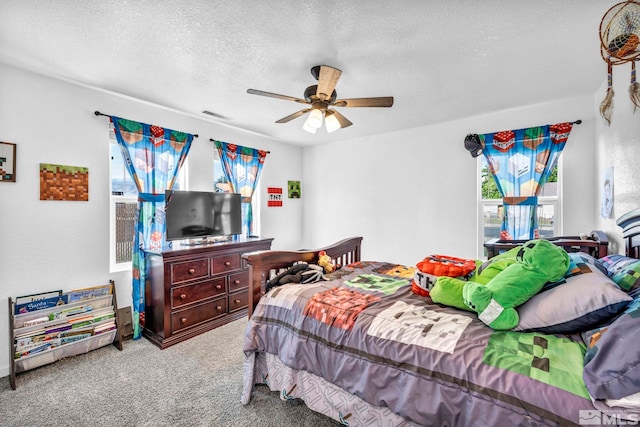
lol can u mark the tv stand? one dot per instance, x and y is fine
(191, 290)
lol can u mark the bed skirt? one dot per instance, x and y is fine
(318, 394)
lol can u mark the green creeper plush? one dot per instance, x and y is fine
(448, 290)
(537, 262)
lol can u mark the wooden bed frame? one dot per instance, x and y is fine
(630, 224)
(263, 265)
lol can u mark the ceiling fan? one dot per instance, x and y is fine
(322, 96)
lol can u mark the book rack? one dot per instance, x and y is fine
(39, 336)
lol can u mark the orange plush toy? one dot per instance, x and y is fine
(325, 262)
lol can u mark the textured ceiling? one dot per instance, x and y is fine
(440, 60)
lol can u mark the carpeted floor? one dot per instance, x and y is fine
(195, 383)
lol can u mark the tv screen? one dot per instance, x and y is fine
(199, 214)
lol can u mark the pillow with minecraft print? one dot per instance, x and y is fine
(612, 360)
(623, 270)
(584, 299)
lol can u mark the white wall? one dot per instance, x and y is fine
(413, 193)
(618, 145)
(46, 245)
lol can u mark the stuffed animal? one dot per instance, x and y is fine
(298, 273)
(448, 290)
(536, 263)
(324, 261)
(433, 266)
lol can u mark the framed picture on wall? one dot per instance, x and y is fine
(7, 162)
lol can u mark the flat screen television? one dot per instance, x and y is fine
(202, 214)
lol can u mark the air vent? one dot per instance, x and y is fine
(217, 116)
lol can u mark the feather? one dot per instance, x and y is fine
(606, 106)
(634, 88)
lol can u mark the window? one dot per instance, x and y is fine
(123, 212)
(220, 181)
(549, 206)
(221, 184)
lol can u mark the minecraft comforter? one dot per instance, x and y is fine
(363, 349)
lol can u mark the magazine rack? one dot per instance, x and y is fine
(36, 337)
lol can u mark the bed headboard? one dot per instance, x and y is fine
(595, 244)
(630, 223)
(265, 264)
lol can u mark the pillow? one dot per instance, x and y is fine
(612, 361)
(623, 270)
(583, 299)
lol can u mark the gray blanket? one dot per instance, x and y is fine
(368, 333)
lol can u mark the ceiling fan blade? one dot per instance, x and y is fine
(327, 81)
(344, 122)
(276, 95)
(382, 101)
(293, 116)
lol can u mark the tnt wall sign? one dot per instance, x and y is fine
(274, 196)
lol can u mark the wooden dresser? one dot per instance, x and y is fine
(193, 289)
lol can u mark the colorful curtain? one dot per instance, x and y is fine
(153, 155)
(242, 167)
(520, 162)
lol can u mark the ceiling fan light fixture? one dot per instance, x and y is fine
(331, 122)
(315, 118)
(308, 128)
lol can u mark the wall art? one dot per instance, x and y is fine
(58, 182)
(274, 196)
(294, 189)
(7, 162)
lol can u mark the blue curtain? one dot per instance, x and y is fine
(520, 162)
(153, 155)
(242, 167)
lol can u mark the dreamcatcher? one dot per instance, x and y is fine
(619, 43)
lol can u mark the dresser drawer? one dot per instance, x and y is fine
(238, 301)
(224, 263)
(183, 295)
(238, 281)
(189, 270)
(201, 313)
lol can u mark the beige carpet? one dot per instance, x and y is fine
(195, 383)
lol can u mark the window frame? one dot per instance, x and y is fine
(555, 201)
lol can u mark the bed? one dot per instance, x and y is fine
(363, 349)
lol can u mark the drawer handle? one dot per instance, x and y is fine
(183, 320)
(183, 296)
(227, 263)
(219, 308)
(218, 286)
(192, 270)
(237, 301)
(237, 282)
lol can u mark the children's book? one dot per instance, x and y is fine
(39, 303)
(88, 293)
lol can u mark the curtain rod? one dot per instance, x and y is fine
(268, 152)
(98, 113)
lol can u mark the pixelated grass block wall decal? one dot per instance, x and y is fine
(58, 182)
